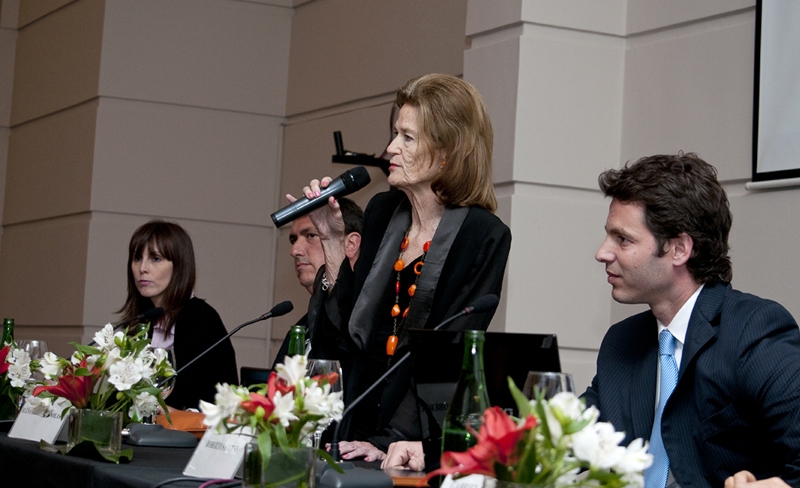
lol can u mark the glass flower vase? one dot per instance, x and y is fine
(293, 468)
(101, 427)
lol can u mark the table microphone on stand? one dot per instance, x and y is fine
(483, 304)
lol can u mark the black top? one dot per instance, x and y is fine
(197, 327)
(474, 266)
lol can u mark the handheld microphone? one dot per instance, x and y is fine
(148, 316)
(348, 182)
(280, 309)
(482, 304)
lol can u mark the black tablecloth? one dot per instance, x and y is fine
(23, 463)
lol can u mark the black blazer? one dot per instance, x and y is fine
(197, 327)
(475, 266)
(737, 402)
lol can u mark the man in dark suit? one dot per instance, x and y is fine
(719, 368)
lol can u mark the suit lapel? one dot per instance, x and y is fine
(643, 381)
(700, 330)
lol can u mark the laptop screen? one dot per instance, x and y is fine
(437, 355)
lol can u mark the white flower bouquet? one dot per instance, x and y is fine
(556, 442)
(118, 374)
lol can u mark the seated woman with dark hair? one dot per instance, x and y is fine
(161, 273)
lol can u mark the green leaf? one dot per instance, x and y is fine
(523, 405)
(86, 350)
(327, 457)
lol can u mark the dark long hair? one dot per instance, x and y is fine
(173, 243)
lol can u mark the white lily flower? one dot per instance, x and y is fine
(227, 401)
(568, 405)
(49, 365)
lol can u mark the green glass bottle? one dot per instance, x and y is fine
(297, 340)
(471, 398)
(8, 331)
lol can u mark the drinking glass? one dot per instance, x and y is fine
(36, 349)
(166, 383)
(317, 367)
(547, 382)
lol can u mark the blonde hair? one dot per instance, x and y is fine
(453, 123)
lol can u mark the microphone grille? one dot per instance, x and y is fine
(356, 178)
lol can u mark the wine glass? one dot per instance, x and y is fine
(317, 367)
(166, 383)
(548, 382)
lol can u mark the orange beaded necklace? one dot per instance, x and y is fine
(399, 265)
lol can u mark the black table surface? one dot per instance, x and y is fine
(23, 463)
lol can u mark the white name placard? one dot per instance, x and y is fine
(36, 424)
(218, 455)
(471, 481)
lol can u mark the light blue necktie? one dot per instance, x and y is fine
(656, 475)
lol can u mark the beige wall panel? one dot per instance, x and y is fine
(581, 363)
(568, 124)
(554, 283)
(763, 241)
(492, 67)
(57, 337)
(691, 88)
(557, 125)
(31, 10)
(607, 16)
(344, 50)
(156, 159)
(233, 271)
(50, 165)
(229, 55)
(58, 61)
(8, 46)
(44, 271)
(645, 15)
(251, 352)
(9, 12)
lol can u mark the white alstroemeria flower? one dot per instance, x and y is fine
(18, 374)
(160, 356)
(144, 405)
(598, 444)
(124, 373)
(567, 406)
(633, 480)
(19, 357)
(146, 367)
(19, 367)
(228, 398)
(284, 408)
(104, 337)
(293, 370)
(214, 416)
(636, 458)
(50, 365)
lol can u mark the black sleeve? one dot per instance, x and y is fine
(197, 327)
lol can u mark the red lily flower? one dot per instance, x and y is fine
(3, 354)
(498, 440)
(258, 400)
(76, 389)
(330, 378)
(275, 384)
